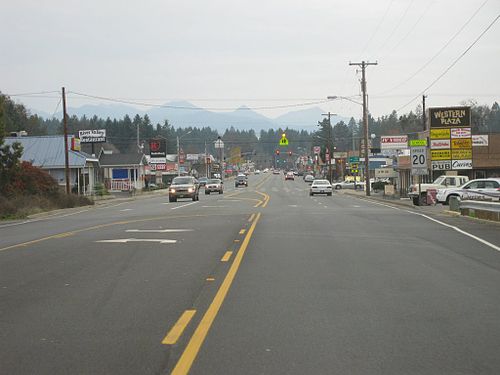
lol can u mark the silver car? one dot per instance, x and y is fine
(320, 187)
(214, 185)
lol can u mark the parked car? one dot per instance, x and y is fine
(184, 187)
(320, 187)
(348, 185)
(289, 176)
(214, 185)
(240, 180)
(483, 188)
(441, 182)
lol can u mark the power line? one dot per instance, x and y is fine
(439, 52)
(398, 24)
(452, 64)
(33, 93)
(377, 28)
(197, 108)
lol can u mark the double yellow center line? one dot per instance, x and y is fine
(193, 347)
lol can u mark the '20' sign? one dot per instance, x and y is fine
(418, 157)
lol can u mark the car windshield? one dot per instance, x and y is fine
(214, 181)
(182, 181)
(321, 182)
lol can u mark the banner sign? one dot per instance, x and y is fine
(417, 142)
(441, 165)
(480, 140)
(442, 117)
(439, 144)
(461, 154)
(92, 136)
(158, 148)
(394, 142)
(462, 143)
(461, 164)
(157, 161)
(440, 133)
(441, 154)
(461, 133)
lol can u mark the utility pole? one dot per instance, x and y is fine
(424, 125)
(330, 145)
(65, 126)
(363, 64)
(178, 158)
(138, 145)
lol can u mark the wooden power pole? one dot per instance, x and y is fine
(363, 65)
(66, 156)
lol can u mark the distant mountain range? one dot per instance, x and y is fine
(184, 114)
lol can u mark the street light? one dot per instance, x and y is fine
(179, 152)
(365, 121)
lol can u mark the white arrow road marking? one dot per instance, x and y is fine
(126, 209)
(158, 230)
(126, 240)
(184, 205)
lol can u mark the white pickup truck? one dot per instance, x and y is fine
(440, 183)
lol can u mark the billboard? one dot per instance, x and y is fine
(158, 148)
(92, 136)
(443, 117)
(397, 142)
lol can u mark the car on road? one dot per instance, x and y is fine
(289, 176)
(257, 171)
(276, 171)
(481, 189)
(202, 181)
(184, 187)
(214, 185)
(309, 178)
(240, 181)
(348, 185)
(320, 187)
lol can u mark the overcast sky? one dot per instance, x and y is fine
(227, 53)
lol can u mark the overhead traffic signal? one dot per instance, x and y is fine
(290, 153)
(277, 152)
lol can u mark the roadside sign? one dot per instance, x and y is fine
(219, 143)
(418, 156)
(353, 159)
(418, 142)
(283, 141)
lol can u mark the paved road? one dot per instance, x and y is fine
(259, 280)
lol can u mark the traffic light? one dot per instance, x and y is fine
(277, 152)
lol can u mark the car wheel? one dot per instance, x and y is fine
(172, 200)
(220, 191)
(329, 194)
(207, 192)
(338, 187)
(311, 194)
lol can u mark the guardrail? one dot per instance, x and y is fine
(480, 209)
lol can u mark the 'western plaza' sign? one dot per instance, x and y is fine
(450, 138)
(443, 117)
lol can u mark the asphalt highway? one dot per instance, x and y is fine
(258, 280)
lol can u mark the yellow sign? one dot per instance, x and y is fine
(440, 133)
(461, 154)
(440, 154)
(283, 141)
(418, 142)
(461, 143)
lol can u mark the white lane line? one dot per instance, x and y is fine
(126, 240)
(293, 205)
(356, 206)
(184, 205)
(158, 230)
(382, 204)
(112, 206)
(497, 248)
(126, 209)
(213, 206)
(41, 219)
